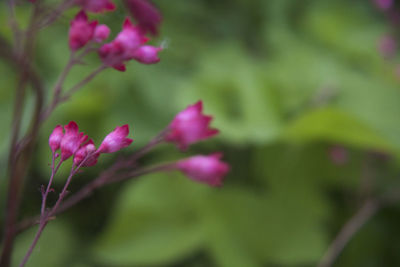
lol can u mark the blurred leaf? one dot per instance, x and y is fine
(333, 125)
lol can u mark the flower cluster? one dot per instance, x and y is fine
(71, 142)
(129, 44)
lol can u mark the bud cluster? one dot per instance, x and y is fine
(129, 44)
(73, 143)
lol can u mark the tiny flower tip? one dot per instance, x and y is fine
(127, 24)
(81, 16)
(120, 67)
(110, 6)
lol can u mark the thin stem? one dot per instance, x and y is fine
(56, 12)
(355, 223)
(14, 24)
(42, 225)
(18, 159)
(79, 85)
(53, 172)
(45, 217)
(105, 178)
(59, 98)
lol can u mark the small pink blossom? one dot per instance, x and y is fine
(96, 6)
(147, 54)
(146, 14)
(101, 33)
(115, 140)
(71, 140)
(387, 46)
(339, 155)
(82, 153)
(123, 47)
(384, 4)
(205, 169)
(55, 138)
(190, 126)
(81, 31)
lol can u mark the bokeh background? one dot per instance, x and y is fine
(306, 94)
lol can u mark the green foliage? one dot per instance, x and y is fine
(285, 81)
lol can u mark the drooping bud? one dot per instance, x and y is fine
(146, 14)
(190, 126)
(55, 138)
(96, 6)
(81, 31)
(101, 33)
(147, 54)
(71, 140)
(115, 140)
(205, 169)
(83, 152)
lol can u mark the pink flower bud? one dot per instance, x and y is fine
(384, 4)
(146, 14)
(205, 169)
(101, 33)
(115, 140)
(147, 54)
(81, 31)
(96, 6)
(71, 140)
(83, 152)
(55, 138)
(387, 46)
(123, 47)
(190, 126)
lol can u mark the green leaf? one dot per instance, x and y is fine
(334, 125)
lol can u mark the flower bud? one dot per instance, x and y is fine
(115, 140)
(71, 140)
(83, 152)
(384, 4)
(101, 33)
(81, 31)
(96, 6)
(123, 47)
(146, 14)
(204, 169)
(55, 138)
(190, 126)
(147, 54)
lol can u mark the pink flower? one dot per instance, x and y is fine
(205, 169)
(146, 14)
(96, 6)
(115, 140)
(190, 126)
(55, 138)
(81, 31)
(82, 153)
(123, 47)
(384, 4)
(101, 33)
(71, 140)
(339, 155)
(147, 54)
(387, 46)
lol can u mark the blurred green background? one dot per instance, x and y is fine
(308, 110)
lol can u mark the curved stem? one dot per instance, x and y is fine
(355, 223)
